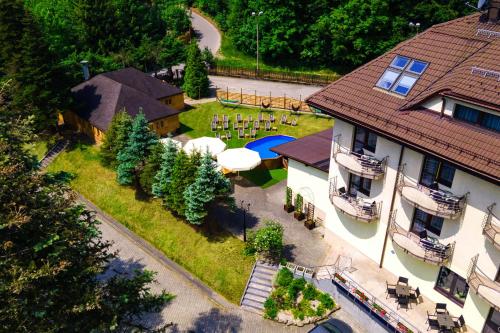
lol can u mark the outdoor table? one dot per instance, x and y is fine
(403, 290)
(445, 320)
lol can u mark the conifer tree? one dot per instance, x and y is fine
(163, 176)
(209, 184)
(134, 154)
(151, 168)
(196, 76)
(116, 137)
(183, 175)
(11, 28)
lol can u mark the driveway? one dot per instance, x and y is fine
(206, 33)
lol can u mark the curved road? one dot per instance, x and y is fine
(206, 33)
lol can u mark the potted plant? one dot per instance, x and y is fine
(288, 200)
(379, 309)
(361, 295)
(403, 329)
(340, 278)
(309, 224)
(298, 214)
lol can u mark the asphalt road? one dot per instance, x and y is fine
(206, 33)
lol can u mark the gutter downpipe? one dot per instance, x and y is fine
(392, 206)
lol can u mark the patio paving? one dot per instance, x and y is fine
(302, 246)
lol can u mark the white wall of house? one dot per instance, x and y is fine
(435, 104)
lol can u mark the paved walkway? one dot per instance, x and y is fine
(302, 246)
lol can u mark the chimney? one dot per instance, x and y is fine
(493, 11)
(85, 69)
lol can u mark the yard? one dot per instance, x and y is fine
(210, 253)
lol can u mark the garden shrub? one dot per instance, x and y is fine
(297, 313)
(320, 311)
(326, 300)
(271, 308)
(267, 240)
(310, 292)
(296, 286)
(284, 277)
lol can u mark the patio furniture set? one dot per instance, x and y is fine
(241, 125)
(433, 245)
(367, 207)
(440, 320)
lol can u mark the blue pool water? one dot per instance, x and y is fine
(262, 145)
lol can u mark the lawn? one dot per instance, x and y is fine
(213, 255)
(265, 178)
(196, 122)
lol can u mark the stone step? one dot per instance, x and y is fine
(263, 264)
(259, 286)
(263, 276)
(252, 309)
(264, 282)
(254, 304)
(258, 292)
(256, 298)
(266, 270)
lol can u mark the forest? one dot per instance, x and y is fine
(323, 33)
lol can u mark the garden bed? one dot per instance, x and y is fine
(296, 302)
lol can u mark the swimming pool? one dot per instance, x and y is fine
(263, 145)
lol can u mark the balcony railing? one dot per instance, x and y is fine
(436, 202)
(425, 249)
(491, 227)
(483, 286)
(357, 208)
(358, 164)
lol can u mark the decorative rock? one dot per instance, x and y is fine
(286, 317)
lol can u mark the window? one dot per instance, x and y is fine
(492, 324)
(423, 221)
(359, 184)
(436, 172)
(452, 285)
(402, 75)
(473, 116)
(364, 139)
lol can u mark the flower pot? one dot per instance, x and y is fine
(288, 209)
(299, 216)
(309, 224)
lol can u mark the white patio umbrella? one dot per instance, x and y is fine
(239, 159)
(178, 144)
(213, 145)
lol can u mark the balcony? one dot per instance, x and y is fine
(491, 227)
(483, 286)
(359, 164)
(425, 249)
(436, 202)
(359, 209)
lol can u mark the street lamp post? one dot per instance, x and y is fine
(414, 26)
(245, 210)
(257, 17)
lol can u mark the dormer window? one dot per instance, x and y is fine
(473, 116)
(402, 75)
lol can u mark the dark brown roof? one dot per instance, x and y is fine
(101, 97)
(312, 150)
(451, 49)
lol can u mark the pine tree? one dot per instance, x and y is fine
(163, 176)
(183, 175)
(11, 28)
(196, 76)
(151, 168)
(209, 184)
(116, 137)
(137, 149)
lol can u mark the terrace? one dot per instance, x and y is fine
(359, 164)
(483, 286)
(491, 227)
(436, 202)
(428, 250)
(358, 208)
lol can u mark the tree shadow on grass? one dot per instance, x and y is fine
(224, 222)
(183, 129)
(214, 321)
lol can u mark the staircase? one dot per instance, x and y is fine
(53, 152)
(259, 287)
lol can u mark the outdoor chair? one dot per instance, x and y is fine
(235, 126)
(245, 124)
(214, 126)
(415, 295)
(432, 321)
(422, 234)
(342, 192)
(403, 301)
(459, 322)
(294, 122)
(402, 280)
(261, 118)
(440, 308)
(391, 290)
(271, 118)
(253, 133)
(241, 134)
(256, 125)
(268, 125)
(283, 119)
(226, 125)
(238, 118)
(229, 135)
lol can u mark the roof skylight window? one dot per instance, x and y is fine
(402, 75)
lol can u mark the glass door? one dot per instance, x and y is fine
(492, 324)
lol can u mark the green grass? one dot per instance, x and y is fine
(38, 148)
(213, 255)
(265, 178)
(196, 122)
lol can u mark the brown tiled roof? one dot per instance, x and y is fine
(451, 49)
(101, 97)
(312, 150)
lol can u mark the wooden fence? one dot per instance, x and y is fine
(291, 77)
(274, 102)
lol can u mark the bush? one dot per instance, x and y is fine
(284, 277)
(296, 286)
(267, 240)
(297, 313)
(320, 311)
(326, 300)
(310, 292)
(270, 308)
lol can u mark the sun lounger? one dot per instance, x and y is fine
(225, 118)
(245, 124)
(261, 118)
(214, 126)
(256, 125)
(238, 118)
(250, 119)
(271, 118)
(294, 122)
(229, 135)
(216, 118)
(283, 119)
(226, 125)
(268, 125)
(253, 133)
(241, 134)
(235, 126)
